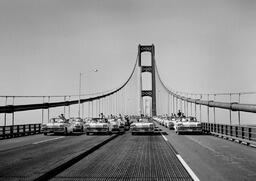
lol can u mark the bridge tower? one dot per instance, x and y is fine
(151, 69)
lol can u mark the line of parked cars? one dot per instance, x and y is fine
(180, 124)
(61, 125)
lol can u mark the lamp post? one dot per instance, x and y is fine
(79, 94)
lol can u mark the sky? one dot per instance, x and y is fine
(202, 46)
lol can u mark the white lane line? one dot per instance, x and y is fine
(164, 137)
(38, 142)
(189, 170)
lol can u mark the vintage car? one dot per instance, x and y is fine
(126, 123)
(57, 125)
(161, 121)
(97, 125)
(121, 124)
(78, 124)
(142, 126)
(126, 126)
(170, 123)
(113, 126)
(188, 124)
(165, 122)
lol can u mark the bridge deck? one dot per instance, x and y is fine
(127, 157)
(27, 158)
(140, 157)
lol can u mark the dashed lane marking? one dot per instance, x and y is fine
(38, 142)
(189, 170)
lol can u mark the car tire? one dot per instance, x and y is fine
(87, 133)
(45, 133)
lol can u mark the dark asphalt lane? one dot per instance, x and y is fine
(39, 154)
(139, 157)
(11, 143)
(212, 158)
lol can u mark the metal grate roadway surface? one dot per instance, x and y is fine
(140, 157)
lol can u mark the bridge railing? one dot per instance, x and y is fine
(235, 132)
(19, 130)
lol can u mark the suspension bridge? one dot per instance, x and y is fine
(226, 150)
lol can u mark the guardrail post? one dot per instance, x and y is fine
(200, 109)
(82, 111)
(239, 118)
(13, 111)
(18, 130)
(24, 129)
(29, 129)
(11, 131)
(5, 115)
(214, 114)
(43, 113)
(208, 111)
(249, 133)
(48, 109)
(34, 128)
(242, 129)
(230, 118)
(4, 132)
(69, 108)
(64, 107)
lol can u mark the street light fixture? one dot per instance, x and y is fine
(79, 94)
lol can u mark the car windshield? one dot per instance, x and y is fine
(184, 120)
(57, 120)
(143, 120)
(78, 120)
(192, 119)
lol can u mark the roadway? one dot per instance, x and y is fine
(26, 158)
(212, 158)
(140, 157)
(127, 157)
